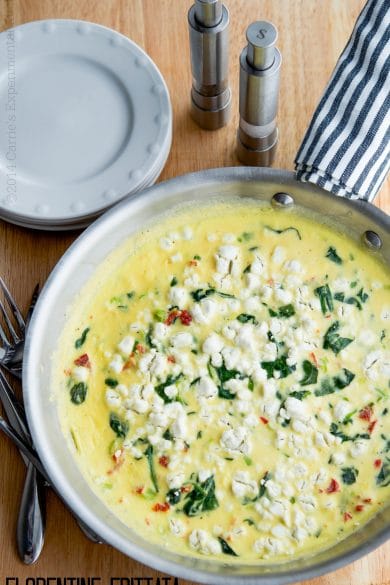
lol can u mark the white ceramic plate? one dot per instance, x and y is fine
(92, 122)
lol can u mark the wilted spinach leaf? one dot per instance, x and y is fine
(310, 373)
(226, 549)
(160, 388)
(78, 393)
(152, 471)
(81, 340)
(349, 475)
(279, 365)
(201, 498)
(333, 341)
(119, 426)
(325, 296)
(333, 256)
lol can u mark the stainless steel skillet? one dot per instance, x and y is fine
(359, 219)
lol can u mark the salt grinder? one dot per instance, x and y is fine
(208, 22)
(259, 91)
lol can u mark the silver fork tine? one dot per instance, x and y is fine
(14, 335)
(13, 408)
(13, 305)
(4, 338)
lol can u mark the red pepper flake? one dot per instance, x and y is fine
(192, 263)
(171, 359)
(129, 364)
(313, 358)
(185, 317)
(67, 372)
(371, 426)
(377, 463)
(264, 420)
(147, 521)
(117, 455)
(185, 489)
(366, 413)
(367, 500)
(347, 516)
(359, 508)
(140, 348)
(161, 507)
(164, 461)
(117, 465)
(271, 281)
(172, 316)
(83, 361)
(333, 487)
(139, 490)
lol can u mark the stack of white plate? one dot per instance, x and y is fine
(85, 119)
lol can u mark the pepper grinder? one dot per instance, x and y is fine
(260, 62)
(208, 22)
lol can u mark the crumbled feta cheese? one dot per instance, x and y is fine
(181, 340)
(278, 255)
(206, 387)
(243, 485)
(296, 409)
(341, 410)
(116, 364)
(204, 543)
(204, 474)
(80, 373)
(358, 449)
(126, 345)
(176, 526)
(212, 344)
(178, 296)
(175, 480)
(113, 398)
(236, 441)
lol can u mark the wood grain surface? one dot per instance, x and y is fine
(312, 34)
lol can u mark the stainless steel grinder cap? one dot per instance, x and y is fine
(208, 22)
(259, 91)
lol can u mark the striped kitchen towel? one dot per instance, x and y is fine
(346, 149)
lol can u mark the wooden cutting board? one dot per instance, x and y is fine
(312, 34)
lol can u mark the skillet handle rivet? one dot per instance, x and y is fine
(282, 200)
(372, 240)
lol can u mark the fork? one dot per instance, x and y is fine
(11, 352)
(32, 512)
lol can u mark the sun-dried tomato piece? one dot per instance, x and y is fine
(83, 361)
(164, 461)
(366, 413)
(161, 507)
(371, 426)
(172, 316)
(333, 487)
(185, 317)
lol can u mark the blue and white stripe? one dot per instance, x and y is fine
(346, 148)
